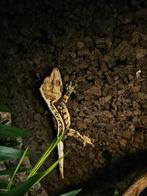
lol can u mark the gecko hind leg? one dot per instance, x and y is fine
(81, 138)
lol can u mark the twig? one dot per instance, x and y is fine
(137, 187)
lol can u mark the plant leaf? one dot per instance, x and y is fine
(116, 193)
(17, 167)
(8, 153)
(11, 171)
(45, 155)
(4, 108)
(46, 172)
(21, 189)
(72, 193)
(3, 185)
(7, 131)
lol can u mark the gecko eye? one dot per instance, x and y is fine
(58, 83)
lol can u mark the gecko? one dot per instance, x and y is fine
(52, 92)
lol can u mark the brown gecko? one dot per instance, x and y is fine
(51, 91)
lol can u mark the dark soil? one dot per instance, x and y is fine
(101, 46)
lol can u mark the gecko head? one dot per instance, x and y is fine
(52, 86)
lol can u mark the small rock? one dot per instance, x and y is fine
(116, 78)
(109, 78)
(103, 65)
(144, 120)
(123, 142)
(100, 43)
(100, 59)
(106, 99)
(108, 114)
(73, 55)
(126, 18)
(132, 127)
(94, 90)
(144, 37)
(89, 42)
(81, 114)
(89, 75)
(110, 60)
(144, 107)
(130, 77)
(83, 65)
(75, 107)
(91, 155)
(140, 53)
(136, 88)
(137, 139)
(103, 43)
(136, 122)
(128, 133)
(66, 78)
(124, 51)
(80, 125)
(80, 45)
(136, 37)
(108, 42)
(83, 52)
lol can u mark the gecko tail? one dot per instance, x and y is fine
(60, 156)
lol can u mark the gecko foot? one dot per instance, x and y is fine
(82, 138)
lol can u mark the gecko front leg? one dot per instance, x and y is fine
(67, 120)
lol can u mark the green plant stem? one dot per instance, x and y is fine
(17, 168)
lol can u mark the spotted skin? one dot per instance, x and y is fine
(51, 91)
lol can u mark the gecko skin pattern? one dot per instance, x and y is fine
(51, 91)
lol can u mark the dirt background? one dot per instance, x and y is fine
(101, 46)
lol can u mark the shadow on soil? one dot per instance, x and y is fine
(125, 169)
